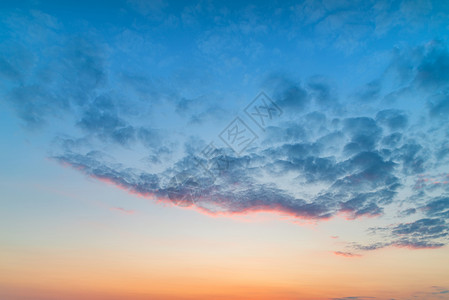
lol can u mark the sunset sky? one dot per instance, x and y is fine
(166, 150)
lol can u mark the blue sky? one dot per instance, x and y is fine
(353, 97)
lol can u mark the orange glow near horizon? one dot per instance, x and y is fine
(192, 273)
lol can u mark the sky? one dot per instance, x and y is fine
(224, 150)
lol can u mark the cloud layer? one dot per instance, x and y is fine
(383, 144)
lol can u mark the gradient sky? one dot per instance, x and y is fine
(202, 150)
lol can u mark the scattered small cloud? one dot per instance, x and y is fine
(346, 254)
(123, 211)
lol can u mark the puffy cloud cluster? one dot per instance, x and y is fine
(326, 157)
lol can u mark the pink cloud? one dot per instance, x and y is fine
(346, 254)
(122, 210)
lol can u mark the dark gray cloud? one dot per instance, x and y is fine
(289, 132)
(364, 133)
(421, 227)
(429, 232)
(412, 156)
(369, 185)
(379, 154)
(433, 68)
(91, 164)
(424, 67)
(408, 212)
(322, 92)
(101, 119)
(213, 197)
(288, 93)
(67, 80)
(392, 140)
(424, 70)
(393, 119)
(295, 97)
(33, 104)
(360, 185)
(438, 207)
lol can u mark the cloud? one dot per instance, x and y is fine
(392, 119)
(421, 227)
(433, 68)
(353, 165)
(364, 133)
(425, 233)
(72, 72)
(354, 298)
(346, 254)
(213, 199)
(360, 185)
(330, 155)
(392, 140)
(433, 292)
(286, 133)
(288, 94)
(322, 92)
(129, 179)
(359, 182)
(408, 212)
(437, 207)
(200, 110)
(101, 119)
(33, 104)
(413, 158)
(423, 69)
(123, 211)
